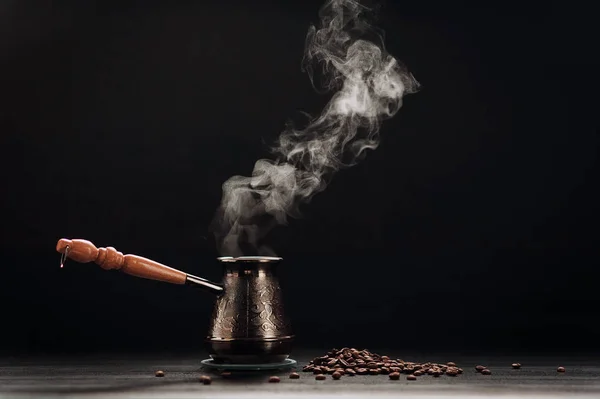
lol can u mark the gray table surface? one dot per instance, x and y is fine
(133, 376)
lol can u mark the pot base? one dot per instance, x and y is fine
(243, 351)
(286, 364)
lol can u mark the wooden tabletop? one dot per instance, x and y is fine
(120, 376)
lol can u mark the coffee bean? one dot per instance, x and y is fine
(350, 372)
(460, 371)
(516, 365)
(294, 376)
(418, 373)
(411, 377)
(451, 373)
(206, 380)
(394, 376)
(561, 369)
(486, 372)
(336, 375)
(320, 377)
(332, 362)
(452, 364)
(362, 371)
(274, 379)
(479, 368)
(159, 373)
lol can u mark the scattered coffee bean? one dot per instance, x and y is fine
(206, 380)
(411, 377)
(336, 375)
(516, 365)
(320, 377)
(394, 376)
(159, 373)
(479, 368)
(561, 369)
(294, 376)
(486, 372)
(274, 379)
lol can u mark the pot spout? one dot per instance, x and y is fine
(109, 258)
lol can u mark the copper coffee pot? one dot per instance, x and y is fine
(248, 324)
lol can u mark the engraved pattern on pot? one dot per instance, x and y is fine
(226, 317)
(267, 299)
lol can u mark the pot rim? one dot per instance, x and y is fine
(254, 259)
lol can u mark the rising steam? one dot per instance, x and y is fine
(370, 84)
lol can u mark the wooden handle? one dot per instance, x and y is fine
(83, 251)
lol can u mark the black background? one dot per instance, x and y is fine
(472, 227)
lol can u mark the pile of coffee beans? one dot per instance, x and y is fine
(351, 361)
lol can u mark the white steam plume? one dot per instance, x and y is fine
(370, 83)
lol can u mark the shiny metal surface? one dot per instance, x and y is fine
(249, 324)
(204, 284)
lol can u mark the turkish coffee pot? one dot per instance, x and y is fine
(248, 323)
